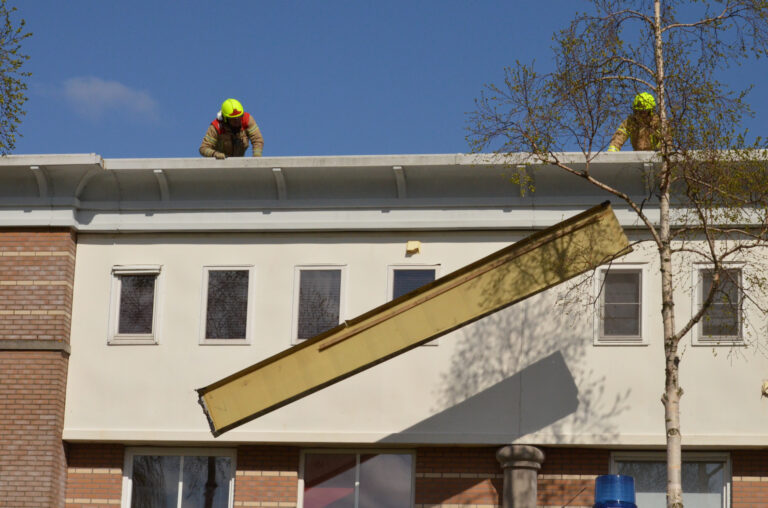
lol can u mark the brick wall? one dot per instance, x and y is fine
(94, 475)
(458, 477)
(750, 479)
(36, 276)
(267, 476)
(567, 477)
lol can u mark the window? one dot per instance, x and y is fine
(722, 320)
(620, 316)
(226, 305)
(404, 279)
(133, 314)
(357, 480)
(173, 478)
(706, 479)
(318, 300)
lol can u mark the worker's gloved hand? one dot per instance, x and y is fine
(219, 155)
(612, 149)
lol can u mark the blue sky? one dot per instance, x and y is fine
(321, 77)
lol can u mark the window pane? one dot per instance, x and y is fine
(206, 482)
(703, 483)
(621, 303)
(319, 300)
(406, 281)
(227, 305)
(329, 480)
(385, 481)
(137, 298)
(155, 481)
(722, 316)
(622, 287)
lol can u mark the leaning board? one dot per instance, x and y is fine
(508, 276)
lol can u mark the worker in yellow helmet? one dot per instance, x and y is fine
(229, 134)
(641, 127)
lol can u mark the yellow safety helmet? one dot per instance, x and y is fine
(643, 102)
(231, 108)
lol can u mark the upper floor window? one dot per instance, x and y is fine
(134, 300)
(404, 279)
(620, 316)
(317, 300)
(722, 321)
(226, 305)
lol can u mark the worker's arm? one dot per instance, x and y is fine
(254, 134)
(619, 137)
(208, 146)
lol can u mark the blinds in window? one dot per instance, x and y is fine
(319, 301)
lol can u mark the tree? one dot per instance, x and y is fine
(12, 86)
(709, 182)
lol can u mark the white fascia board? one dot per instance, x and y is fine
(336, 220)
(337, 161)
(362, 161)
(51, 160)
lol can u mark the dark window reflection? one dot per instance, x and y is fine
(329, 480)
(204, 481)
(406, 281)
(227, 305)
(384, 480)
(621, 303)
(722, 317)
(319, 300)
(155, 481)
(137, 297)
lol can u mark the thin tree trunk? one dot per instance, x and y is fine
(672, 391)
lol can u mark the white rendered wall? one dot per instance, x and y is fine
(529, 374)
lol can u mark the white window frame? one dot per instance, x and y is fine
(698, 337)
(182, 452)
(113, 337)
(203, 341)
(403, 266)
(357, 452)
(297, 285)
(642, 339)
(660, 456)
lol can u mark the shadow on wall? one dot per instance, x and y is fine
(519, 371)
(546, 387)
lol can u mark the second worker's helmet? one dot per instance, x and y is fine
(643, 102)
(231, 108)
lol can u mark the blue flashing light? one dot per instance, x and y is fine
(614, 491)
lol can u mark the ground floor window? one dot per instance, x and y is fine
(178, 478)
(357, 479)
(706, 478)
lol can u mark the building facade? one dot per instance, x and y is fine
(126, 284)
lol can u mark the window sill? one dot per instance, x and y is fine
(723, 342)
(132, 340)
(225, 342)
(620, 342)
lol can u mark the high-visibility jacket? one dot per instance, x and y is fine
(221, 138)
(641, 129)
